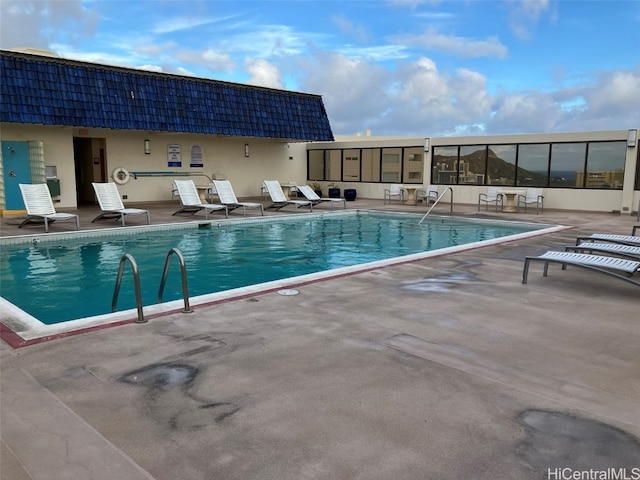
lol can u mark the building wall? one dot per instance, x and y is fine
(625, 200)
(222, 156)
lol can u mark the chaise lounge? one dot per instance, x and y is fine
(191, 203)
(274, 189)
(314, 198)
(227, 197)
(111, 205)
(39, 206)
(623, 269)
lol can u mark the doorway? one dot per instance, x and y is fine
(89, 155)
(16, 170)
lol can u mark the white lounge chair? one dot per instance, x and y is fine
(39, 205)
(620, 268)
(111, 205)
(274, 189)
(625, 251)
(228, 198)
(314, 198)
(532, 195)
(394, 191)
(608, 237)
(493, 195)
(191, 202)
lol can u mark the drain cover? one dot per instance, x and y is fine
(288, 292)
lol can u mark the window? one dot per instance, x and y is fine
(444, 169)
(533, 165)
(567, 164)
(391, 165)
(333, 165)
(501, 165)
(472, 164)
(371, 165)
(605, 165)
(413, 165)
(315, 165)
(351, 166)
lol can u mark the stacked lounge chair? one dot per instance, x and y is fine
(620, 259)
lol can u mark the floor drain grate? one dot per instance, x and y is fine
(288, 292)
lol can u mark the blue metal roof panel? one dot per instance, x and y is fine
(53, 91)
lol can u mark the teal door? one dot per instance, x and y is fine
(15, 159)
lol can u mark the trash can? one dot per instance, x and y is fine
(334, 193)
(349, 194)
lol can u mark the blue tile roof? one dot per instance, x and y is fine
(54, 91)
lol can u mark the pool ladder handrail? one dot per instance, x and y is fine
(136, 283)
(449, 189)
(183, 271)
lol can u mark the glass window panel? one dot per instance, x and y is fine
(316, 165)
(444, 165)
(605, 165)
(391, 165)
(472, 165)
(501, 165)
(371, 165)
(351, 165)
(567, 164)
(333, 165)
(413, 165)
(533, 165)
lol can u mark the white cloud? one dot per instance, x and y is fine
(460, 46)
(263, 73)
(38, 23)
(524, 17)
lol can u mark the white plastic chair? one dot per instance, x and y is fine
(227, 197)
(426, 194)
(493, 195)
(533, 195)
(394, 191)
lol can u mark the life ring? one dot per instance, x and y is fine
(121, 175)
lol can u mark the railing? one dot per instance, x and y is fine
(449, 189)
(169, 174)
(136, 282)
(183, 271)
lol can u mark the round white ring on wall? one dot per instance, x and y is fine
(121, 175)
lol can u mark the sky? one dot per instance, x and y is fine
(388, 67)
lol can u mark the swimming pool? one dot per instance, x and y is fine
(58, 279)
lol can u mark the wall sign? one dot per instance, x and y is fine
(174, 155)
(196, 156)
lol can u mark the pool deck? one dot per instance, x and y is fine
(443, 368)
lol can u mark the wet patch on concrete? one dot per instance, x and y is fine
(559, 440)
(440, 283)
(161, 376)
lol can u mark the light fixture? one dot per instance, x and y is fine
(426, 144)
(147, 147)
(632, 138)
(246, 149)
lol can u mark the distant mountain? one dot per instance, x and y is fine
(496, 167)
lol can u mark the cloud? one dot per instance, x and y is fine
(460, 46)
(263, 73)
(525, 15)
(347, 27)
(38, 23)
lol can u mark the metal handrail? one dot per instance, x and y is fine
(436, 202)
(183, 270)
(136, 282)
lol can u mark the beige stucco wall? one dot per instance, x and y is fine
(269, 159)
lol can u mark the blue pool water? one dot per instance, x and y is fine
(57, 281)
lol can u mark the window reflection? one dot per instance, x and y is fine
(605, 165)
(533, 165)
(567, 164)
(501, 165)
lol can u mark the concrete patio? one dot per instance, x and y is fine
(445, 368)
